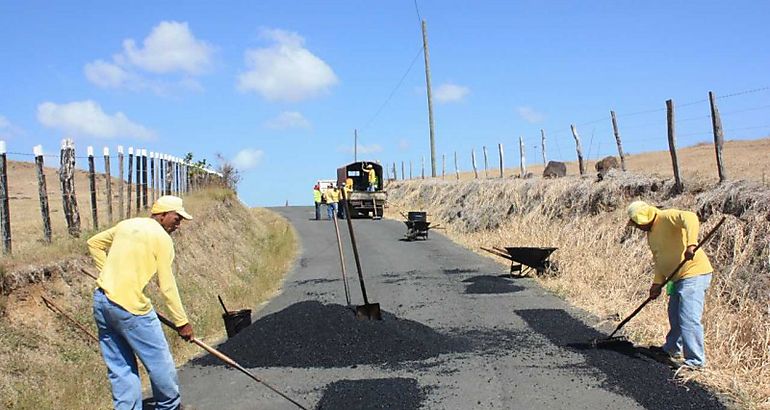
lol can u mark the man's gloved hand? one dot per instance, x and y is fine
(185, 332)
(655, 291)
(689, 253)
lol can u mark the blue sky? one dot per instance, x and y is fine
(279, 86)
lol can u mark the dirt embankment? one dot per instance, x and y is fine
(46, 362)
(605, 267)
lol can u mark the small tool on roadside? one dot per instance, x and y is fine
(612, 339)
(368, 310)
(342, 260)
(221, 356)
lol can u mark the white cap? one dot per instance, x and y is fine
(130, 150)
(3, 149)
(90, 150)
(38, 150)
(120, 149)
(106, 151)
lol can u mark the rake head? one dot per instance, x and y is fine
(608, 341)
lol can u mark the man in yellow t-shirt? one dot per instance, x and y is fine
(672, 236)
(128, 255)
(372, 178)
(332, 198)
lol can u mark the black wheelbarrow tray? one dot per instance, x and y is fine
(417, 229)
(526, 258)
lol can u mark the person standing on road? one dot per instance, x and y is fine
(372, 178)
(332, 198)
(672, 236)
(128, 255)
(317, 200)
(343, 205)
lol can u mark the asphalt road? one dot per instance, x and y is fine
(456, 334)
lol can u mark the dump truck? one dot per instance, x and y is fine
(362, 202)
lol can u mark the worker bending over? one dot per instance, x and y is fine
(128, 255)
(672, 236)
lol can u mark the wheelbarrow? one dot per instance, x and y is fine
(417, 225)
(525, 259)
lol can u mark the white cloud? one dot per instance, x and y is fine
(362, 149)
(87, 118)
(447, 93)
(286, 70)
(106, 75)
(288, 120)
(404, 144)
(247, 158)
(529, 114)
(170, 48)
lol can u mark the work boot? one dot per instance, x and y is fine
(659, 350)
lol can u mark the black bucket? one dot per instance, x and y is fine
(235, 321)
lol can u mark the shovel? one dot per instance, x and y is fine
(622, 339)
(368, 310)
(342, 261)
(374, 203)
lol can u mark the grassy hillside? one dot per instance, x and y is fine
(605, 267)
(228, 250)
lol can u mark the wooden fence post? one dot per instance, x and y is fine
(542, 145)
(67, 178)
(144, 178)
(128, 186)
(502, 162)
(161, 175)
(121, 210)
(486, 162)
(410, 169)
(522, 158)
(443, 166)
(169, 165)
(579, 149)
(473, 163)
(42, 192)
(678, 186)
(403, 168)
(618, 142)
(5, 211)
(178, 176)
(108, 182)
(457, 169)
(719, 139)
(152, 177)
(422, 167)
(138, 185)
(92, 186)
(395, 174)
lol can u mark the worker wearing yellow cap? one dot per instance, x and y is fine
(372, 178)
(672, 236)
(128, 255)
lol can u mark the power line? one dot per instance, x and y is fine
(387, 100)
(417, 8)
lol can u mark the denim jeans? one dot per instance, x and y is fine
(685, 310)
(317, 211)
(331, 210)
(122, 337)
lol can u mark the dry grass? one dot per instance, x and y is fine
(605, 267)
(228, 250)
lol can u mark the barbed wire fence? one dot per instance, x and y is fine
(147, 176)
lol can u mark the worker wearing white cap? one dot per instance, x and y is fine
(672, 236)
(128, 255)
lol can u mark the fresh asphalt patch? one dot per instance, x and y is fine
(372, 394)
(312, 334)
(627, 371)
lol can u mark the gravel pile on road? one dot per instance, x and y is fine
(627, 371)
(393, 393)
(487, 284)
(311, 334)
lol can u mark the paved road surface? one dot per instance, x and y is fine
(456, 335)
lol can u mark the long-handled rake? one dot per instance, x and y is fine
(612, 339)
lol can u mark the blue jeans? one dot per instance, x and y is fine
(331, 210)
(122, 337)
(317, 211)
(371, 188)
(685, 310)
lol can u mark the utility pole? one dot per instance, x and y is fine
(430, 99)
(355, 145)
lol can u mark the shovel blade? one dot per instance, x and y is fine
(370, 311)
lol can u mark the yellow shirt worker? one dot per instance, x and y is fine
(672, 236)
(128, 256)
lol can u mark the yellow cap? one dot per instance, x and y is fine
(641, 213)
(169, 203)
